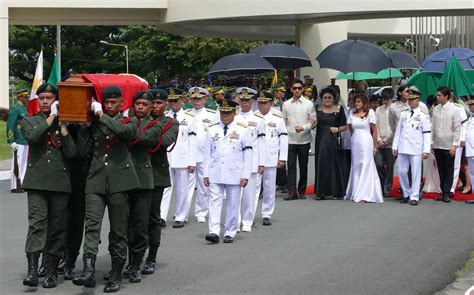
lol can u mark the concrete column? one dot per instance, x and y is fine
(4, 72)
(313, 38)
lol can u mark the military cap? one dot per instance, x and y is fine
(245, 92)
(469, 102)
(160, 94)
(278, 86)
(175, 93)
(264, 96)
(217, 90)
(227, 105)
(198, 92)
(143, 95)
(111, 92)
(414, 93)
(21, 92)
(46, 87)
(307, 87)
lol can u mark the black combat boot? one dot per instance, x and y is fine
(31, 279)
(44, 264)
(150, 262)
(51, 278)
(113, 284)
(134, 271)
(62, 263)
(87, 278)
(126, 273)
(70, 264)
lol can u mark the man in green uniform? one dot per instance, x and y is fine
(218, 94)
(47, 182)
(140, 199)
(17, 140)
(111, 176)
(161, 174)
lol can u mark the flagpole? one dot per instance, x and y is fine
(58, 46)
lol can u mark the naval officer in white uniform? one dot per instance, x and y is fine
(411, 143)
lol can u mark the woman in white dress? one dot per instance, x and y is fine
(364, 184)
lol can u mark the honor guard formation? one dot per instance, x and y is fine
(206, 144)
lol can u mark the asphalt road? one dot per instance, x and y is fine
(328, 247)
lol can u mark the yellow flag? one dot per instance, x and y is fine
(275, 77)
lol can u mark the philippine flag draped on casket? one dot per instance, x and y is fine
(129, 83)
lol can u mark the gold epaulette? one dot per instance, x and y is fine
(242, 124)
(277, 115)
(189, 112)
(214, 124)
(258, 115)
(210, 111)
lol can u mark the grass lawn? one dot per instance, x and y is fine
(5, 150)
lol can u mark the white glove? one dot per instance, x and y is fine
(14, 146)
(96, 107)
(54, 108)
(125, 113)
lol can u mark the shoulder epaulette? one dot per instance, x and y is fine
(210, 111)
(214, 124)
(189, 112)
(405, 110)
(258, 115)
(277, 115)
(242, 124)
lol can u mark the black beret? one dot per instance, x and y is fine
(143, 95)
(160, 94)
(46, 87)
(111, 92)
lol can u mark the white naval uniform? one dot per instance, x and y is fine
(256, 129)
(459, 148)
(228, 159)
(470, 146)
(203, 118)
(180, 158)
(276, 143)
(412, 139)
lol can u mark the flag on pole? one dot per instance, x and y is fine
(55, 75)
(275, 77)
(33, 105)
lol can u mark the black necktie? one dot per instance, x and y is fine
(174, 116)
(411, 113)
(225, 129)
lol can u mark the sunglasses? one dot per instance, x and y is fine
(297, 88)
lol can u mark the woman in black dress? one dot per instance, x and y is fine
(329, 177)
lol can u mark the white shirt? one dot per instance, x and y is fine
(384, 132)
(182, 156)
(412, 135)
(256, 128)
(298, 113)
(228, 157)
(276, 139)
(445, 126)
(346, 134)
(395, 110)
(470, 136)
(203, 118)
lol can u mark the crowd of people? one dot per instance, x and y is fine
(208, 144)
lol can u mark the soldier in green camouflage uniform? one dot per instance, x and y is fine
(47, 182)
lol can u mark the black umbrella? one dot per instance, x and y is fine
(283, 56)
(354, 56)
(241, 64)
(403, 60)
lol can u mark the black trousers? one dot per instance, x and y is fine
(346, 166)
(298, 153)
(75, 221)
(384, 161)
(445, 169)
(282, 177)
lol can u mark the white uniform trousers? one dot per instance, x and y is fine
(457, 167)
(166, 200)
(269, 189)
(181, 185)
(215, 207)
(404, 162)
(196, 180)
(22, 159)
(248, 201)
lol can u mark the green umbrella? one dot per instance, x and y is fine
(425, 82)
(455, 78)
(383, 74)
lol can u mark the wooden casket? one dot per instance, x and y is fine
(75, 98)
